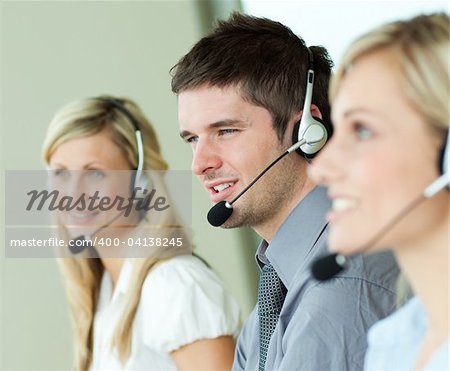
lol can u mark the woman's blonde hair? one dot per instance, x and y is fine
(83, 275)
(421, 46)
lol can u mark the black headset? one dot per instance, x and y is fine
(309, 151)
(140, 182)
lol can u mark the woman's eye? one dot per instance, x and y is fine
(191, 139)
(363, 132)
(59, 172)
(96, 174)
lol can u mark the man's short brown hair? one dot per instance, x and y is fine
(265, 60)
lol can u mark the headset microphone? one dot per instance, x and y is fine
(328, 266)
(220, 212)
(77, 245)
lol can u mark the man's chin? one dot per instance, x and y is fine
(234, 221)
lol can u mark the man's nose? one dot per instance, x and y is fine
(206, 158)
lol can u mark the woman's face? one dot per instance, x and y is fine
(381, 157)
(96, 169)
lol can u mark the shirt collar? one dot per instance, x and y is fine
(296, 237)
(123, 282)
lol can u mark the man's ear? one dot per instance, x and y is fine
(315, 111)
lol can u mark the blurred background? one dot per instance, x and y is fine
(53, 52)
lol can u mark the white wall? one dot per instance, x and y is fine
(335, 23)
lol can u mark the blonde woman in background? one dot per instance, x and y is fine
(166, 311)
(390, 108)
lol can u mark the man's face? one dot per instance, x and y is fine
(232, 142)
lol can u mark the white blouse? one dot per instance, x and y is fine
(182, 301)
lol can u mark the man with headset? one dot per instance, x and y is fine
(248, 93)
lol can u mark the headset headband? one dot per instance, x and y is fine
(137, 132)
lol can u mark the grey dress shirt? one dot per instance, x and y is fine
(322, 325)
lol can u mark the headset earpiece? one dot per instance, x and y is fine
(309, 150)
(140, 185)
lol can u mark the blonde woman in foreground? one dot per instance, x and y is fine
(163, 310)
(390, 108)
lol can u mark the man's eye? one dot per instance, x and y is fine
(226, 131)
